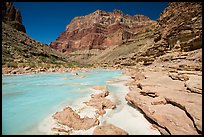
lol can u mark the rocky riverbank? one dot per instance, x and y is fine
(35, 70)
(169, 92)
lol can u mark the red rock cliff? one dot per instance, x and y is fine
(99, 30)
(12, 16)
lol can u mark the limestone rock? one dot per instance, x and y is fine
(100, 102)
(109, 129)
(180, 25)
(176, 76)
(73, 120)
(164, 101)
(104, 93)
(194, 84)
(61, 130)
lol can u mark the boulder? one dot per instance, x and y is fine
(100, 102)
(70, 118)
(109, 129)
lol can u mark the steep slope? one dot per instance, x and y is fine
(12, 16)
(19, 50)
(118, 55)
(100, 30)
(179, 28)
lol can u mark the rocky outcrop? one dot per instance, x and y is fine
(181, 25)
(12, 16)
(99, 30)
(164, 101)
(194, 84)
(71, 119)
(100, 102)
(109, 129)
(179, 28)
(165, 92)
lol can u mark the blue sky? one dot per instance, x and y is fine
(44, 21)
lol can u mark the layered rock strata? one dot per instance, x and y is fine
(99, 30)
(179, 28)
(170, 96)
(181, 25)
(12, 16)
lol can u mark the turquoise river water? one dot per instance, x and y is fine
(28, 99)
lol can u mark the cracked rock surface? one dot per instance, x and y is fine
(170, 98)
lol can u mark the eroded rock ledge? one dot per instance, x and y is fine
(172, 101)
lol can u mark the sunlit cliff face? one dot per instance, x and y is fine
(99, 30)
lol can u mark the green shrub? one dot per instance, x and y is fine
(22, 64)
(12, 64)
(32, 65)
